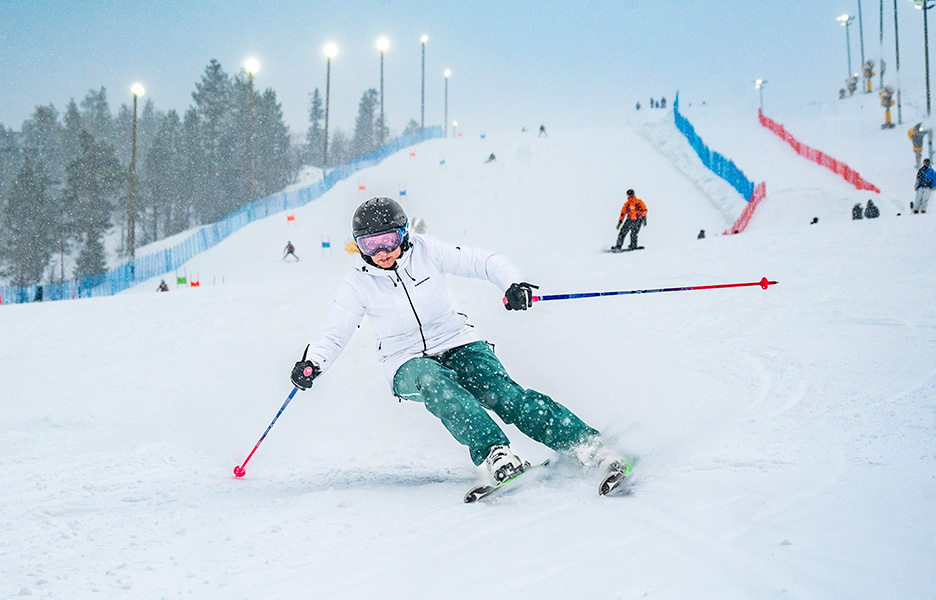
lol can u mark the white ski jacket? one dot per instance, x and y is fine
(410, 307)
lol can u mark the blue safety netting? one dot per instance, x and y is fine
(717, 163)
(165, 261)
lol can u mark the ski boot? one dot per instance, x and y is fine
(502, 464)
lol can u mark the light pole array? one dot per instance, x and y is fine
(446, 74)
(759, 84)
(926, 5)
(422, 105)
(251, 66)
(382, 45)
(897, 48)
(846, 22)
(861, 36)
(137, 90)
(330, 51)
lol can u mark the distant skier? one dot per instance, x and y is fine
(490, 158)
(542, 131)
(663, 102)
(290, 251)
(429, 351)
(857, 212)
(162, 286)
(872, 211)
(925, 180)
(633, 215)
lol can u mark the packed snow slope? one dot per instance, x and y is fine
(785, 437)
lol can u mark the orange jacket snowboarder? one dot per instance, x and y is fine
(633, 215)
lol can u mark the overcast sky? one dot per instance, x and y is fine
(513, 62)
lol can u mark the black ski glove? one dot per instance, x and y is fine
(304, 372)
(618, 226)
(645, 221)
(519, 296)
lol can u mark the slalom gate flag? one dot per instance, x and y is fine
(195, 284)
(326, 244)
(290, 217)
(181, 280)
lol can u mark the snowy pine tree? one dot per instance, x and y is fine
(219, 192)
(273, 167)
(96, 181)
(315, 136)
(26, 241)
(164, 201)
(96, 116)
(411, 127)
(365, 138)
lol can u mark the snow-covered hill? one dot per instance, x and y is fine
(785, 437)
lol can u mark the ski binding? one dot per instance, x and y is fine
(482, 491)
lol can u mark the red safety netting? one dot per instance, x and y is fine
(760, 190)
(817, 156)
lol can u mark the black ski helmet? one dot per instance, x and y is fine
(376, 215)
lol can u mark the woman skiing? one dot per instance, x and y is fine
(429, 351)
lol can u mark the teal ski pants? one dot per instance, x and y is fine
(459, 384)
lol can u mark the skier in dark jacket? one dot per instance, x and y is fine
(925, 181)
(872, 211)
(290, 250)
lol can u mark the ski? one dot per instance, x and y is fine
(480, 492)
(618, 251)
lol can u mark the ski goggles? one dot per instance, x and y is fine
(388, 241)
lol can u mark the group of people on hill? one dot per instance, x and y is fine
(661, 103)
(870, 212)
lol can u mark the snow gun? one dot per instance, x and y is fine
(763, 283)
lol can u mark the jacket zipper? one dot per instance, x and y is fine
(415, 314)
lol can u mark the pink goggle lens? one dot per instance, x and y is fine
(387, 241)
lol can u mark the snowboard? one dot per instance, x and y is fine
(616, 251)
(482, 491)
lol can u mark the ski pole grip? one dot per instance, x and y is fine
(532, 299)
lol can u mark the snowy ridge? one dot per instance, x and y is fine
(785, 436)
(671, 144)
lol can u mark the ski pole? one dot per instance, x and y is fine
(764, 283)
(239, 470)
